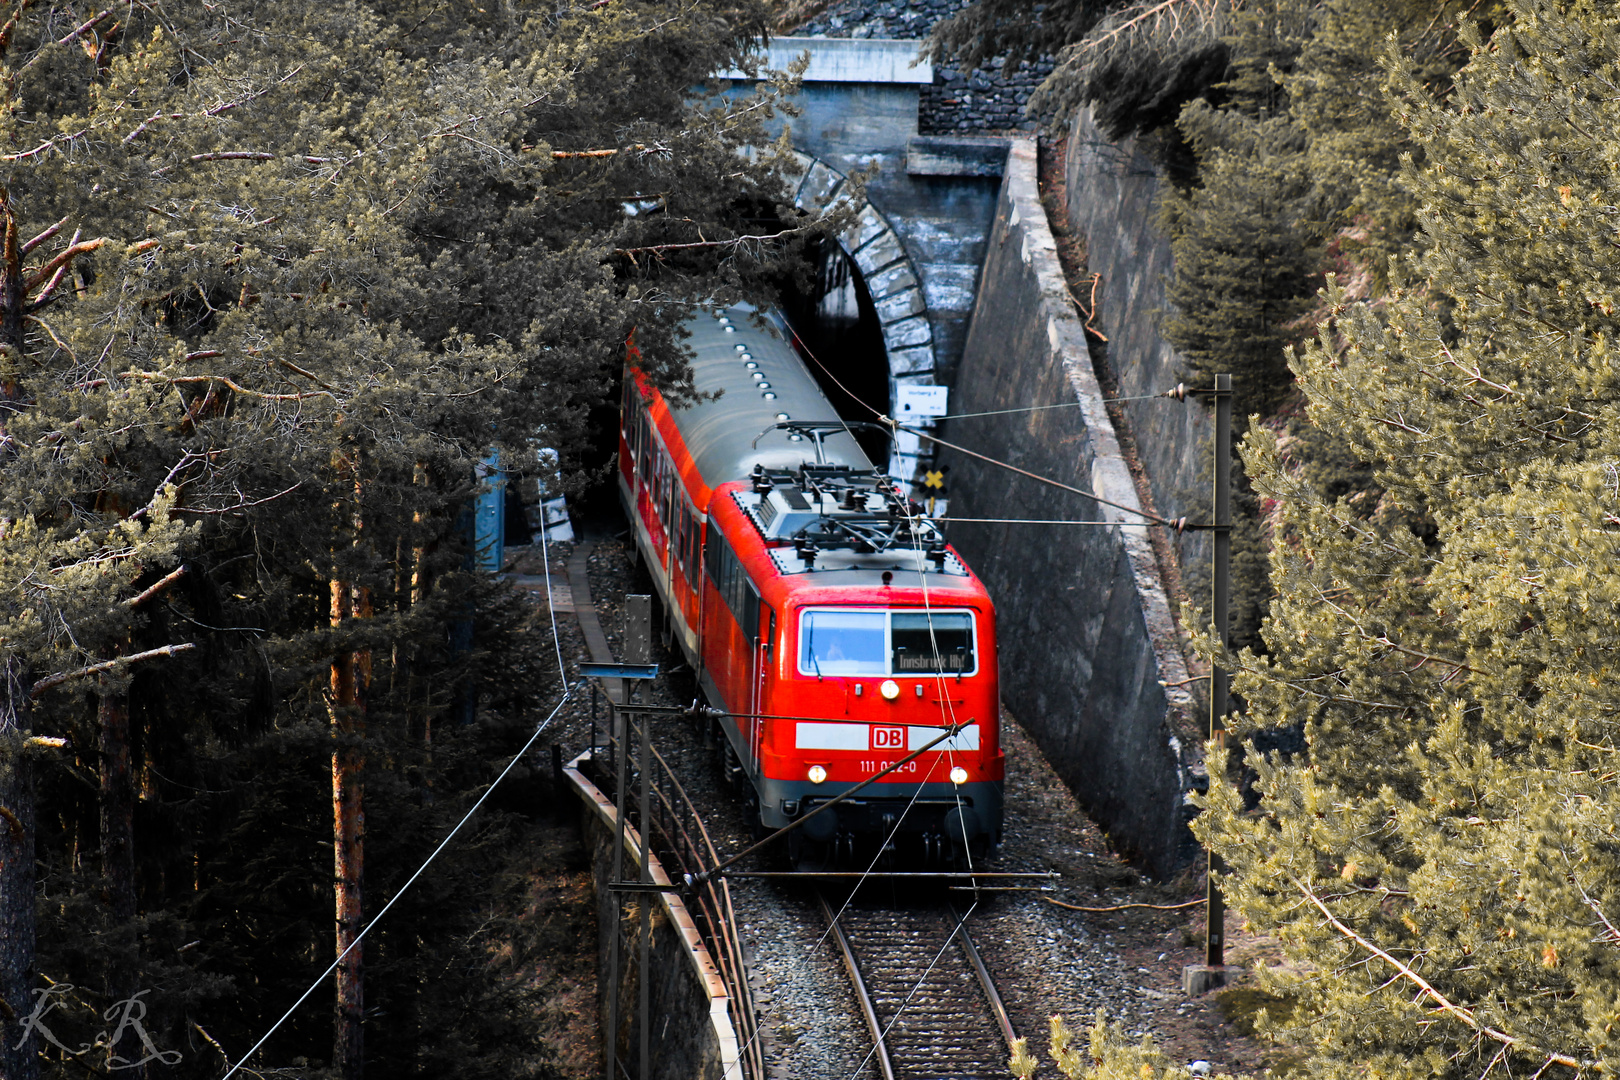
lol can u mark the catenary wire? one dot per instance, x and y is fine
(895, 424)
(567, 693)
(1041, 408)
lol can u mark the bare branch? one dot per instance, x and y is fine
(107, 665)
(1427, 990)
(62, 258)
(215, 110)
(180, 380)
(220, 155)
(242, 504)
(186, 459)
(656, 249)
(46, 145)
(152, 590)
(42, 237)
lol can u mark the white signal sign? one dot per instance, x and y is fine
(915, 401)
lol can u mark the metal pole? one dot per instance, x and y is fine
(621, 760)
(644, 972)
(1219, 679)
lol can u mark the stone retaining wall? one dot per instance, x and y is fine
(692, 1033)
(957, 100)
(1113, 202)
(1089, 661)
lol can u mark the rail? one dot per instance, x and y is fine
(853, 967)
(917, 1000)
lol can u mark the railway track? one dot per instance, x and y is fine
(931, 1007)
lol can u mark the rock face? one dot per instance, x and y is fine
(960, 100)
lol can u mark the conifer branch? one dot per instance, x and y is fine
(30, 245)
(222, 380)
(107, 665)
(1445, 1005)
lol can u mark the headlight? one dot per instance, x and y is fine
(958, 775)
(818, 774)
(890, 689)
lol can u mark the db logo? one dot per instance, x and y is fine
(888, 738)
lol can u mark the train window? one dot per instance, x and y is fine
(683, 529)
(845, 641)
(694, 544)
(931, 642)
(731, 582)
(644, 446)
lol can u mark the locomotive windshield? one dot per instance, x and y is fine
(930, 642)
(841, 641)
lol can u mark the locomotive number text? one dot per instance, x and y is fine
(870, 766)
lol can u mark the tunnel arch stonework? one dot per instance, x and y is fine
(878, 253)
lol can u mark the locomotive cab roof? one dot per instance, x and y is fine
(820, 518)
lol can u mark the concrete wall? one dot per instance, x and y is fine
(1086, 636)
(692, 1033)
(1113, 202)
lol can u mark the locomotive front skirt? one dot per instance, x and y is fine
(830, 624)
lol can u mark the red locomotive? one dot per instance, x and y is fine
(828, 621)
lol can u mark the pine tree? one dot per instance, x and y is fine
(315, 261)
(1439, 863)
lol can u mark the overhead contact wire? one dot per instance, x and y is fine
(895, 424)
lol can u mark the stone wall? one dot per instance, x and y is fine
(692, 1034)
(943, 220)
(1113, 202)
(1089, 661)
(958, 100)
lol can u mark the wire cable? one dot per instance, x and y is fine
(1043, 521)
(1154, 518)
(1039, 408)
(567, 693)
(551, 609)
(896, 425)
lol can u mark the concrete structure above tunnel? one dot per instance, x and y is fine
(929, 200)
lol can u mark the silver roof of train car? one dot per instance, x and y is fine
(720, 434)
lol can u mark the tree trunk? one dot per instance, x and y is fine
(117, 806)
(19, 1046)
(348, 678)
(117, 798)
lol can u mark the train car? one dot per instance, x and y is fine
(831, 627)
